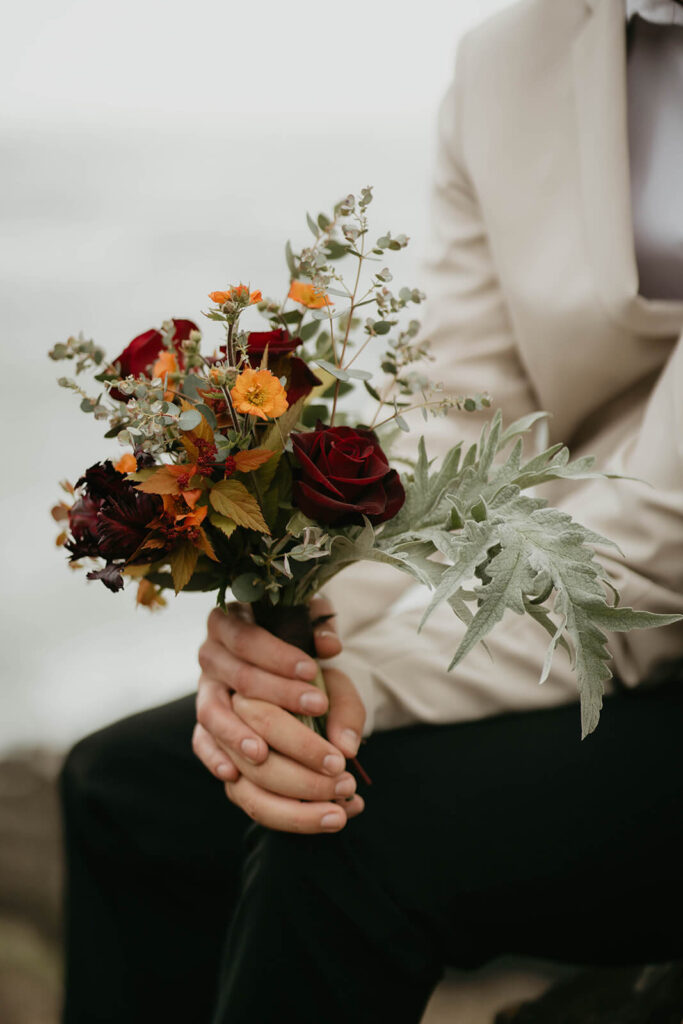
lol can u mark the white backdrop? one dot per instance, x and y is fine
(151, 151)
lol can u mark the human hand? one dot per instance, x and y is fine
(269, 761)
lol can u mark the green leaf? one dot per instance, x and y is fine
(382, 326)
(289, 256)
(364, 375)
(309, 330)
(222, 523)
(248, 588)
(190, 419)
(336, 371)
(208, 414)
(372, 391)
(312, 225)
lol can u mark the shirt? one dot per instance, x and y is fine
(655, 128)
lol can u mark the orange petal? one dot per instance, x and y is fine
(308, 295)
(126, 464)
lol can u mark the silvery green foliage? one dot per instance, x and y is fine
(502, 549)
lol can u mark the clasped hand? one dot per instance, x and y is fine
(280, 772)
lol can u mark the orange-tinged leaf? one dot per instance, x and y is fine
(248, 460)
(168, 480)
(183, 560)
(60, 512)
(192, 497)
(61, 538)
(204, 544)
(231, 498)
(222, 523)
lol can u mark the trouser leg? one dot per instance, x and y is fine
(505, 835)
(153, 851)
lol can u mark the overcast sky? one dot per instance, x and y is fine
(63, 57)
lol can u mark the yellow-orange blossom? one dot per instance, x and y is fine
(259, 393)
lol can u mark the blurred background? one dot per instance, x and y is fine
(149, 153)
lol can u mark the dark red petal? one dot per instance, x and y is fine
(395, 497)
(110, 576)
(309, 468)
(322, 507)
(302, 380)
(277, 342)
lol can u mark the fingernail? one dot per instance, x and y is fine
(223, 770)
(346, 786)
(325, 632)
(334, 764)
(313, 702)
(306, 669)
(250, 749)
(331, 820)
(351, 740)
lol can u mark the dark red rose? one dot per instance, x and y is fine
(110, 520)
(278, 343)
(300, 380)
(343, 476)
(144, 350)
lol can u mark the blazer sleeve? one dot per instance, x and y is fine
(469, 329)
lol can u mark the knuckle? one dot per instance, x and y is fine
(214, 620)
(299, 820)
(205, 714)
(242, 679)
(239, 641)
(250, 809)
(204, 656)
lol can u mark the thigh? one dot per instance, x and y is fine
(154, 850)
(511, 835)
(503, 835)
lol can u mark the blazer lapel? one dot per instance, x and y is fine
(599, 67)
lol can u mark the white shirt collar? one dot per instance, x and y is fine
(662, 12)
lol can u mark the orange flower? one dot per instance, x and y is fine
(259, 393)
(165, 364)
(126, 464)
(237, 292)
(308, 295)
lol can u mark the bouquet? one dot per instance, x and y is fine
(247, 470)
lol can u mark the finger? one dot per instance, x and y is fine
(282, 732)
(354, 806)
(346, 717)
(220, 664)
(282, 813)
(212, 757)
(256, 645)
(281, 775)
(216, 715)
(324, 619)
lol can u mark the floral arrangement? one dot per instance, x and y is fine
(246, 470)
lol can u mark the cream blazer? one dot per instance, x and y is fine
(532, 290)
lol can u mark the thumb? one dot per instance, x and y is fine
(346, 715)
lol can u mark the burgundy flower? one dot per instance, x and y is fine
(344, 475)
(143, 351)
(300, 381)
(110, 520)
(278, 343)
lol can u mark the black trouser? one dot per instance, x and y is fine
(505, 835)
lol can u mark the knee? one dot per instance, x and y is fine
(92, 768)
